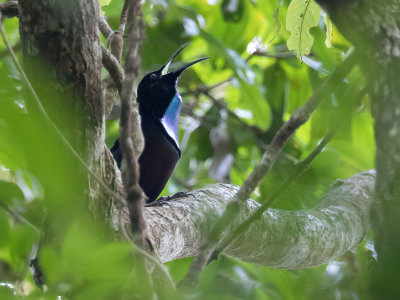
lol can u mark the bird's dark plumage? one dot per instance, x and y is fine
(159, 107)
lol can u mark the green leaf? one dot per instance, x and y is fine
(5, 229)
(6, 292)
(104, 2)
(253, 99)
(10, 191)
(302, 15)
(23, 238)
(328, 40)
(232, 58)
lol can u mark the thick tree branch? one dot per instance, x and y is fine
(280, 239)
(300, 167)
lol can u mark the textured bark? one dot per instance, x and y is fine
(281, 239)
(114, 68)
(116, 44)
(374, 28)
(62, 56)
(130, 133)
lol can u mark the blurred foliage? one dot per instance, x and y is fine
(260, 93)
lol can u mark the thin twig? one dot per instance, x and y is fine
(5, 52)
(298, 118)
(205, 90)
(202, 89)
(131, 136)
(113, 67)
(115, 38)
(123, 19)
(157, 263)
(300, 168)
(278, 55)
(48, 119)
(130, 128)
(18, 218)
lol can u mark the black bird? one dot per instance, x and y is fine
(159, 108)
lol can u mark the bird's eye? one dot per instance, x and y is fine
(153, 76)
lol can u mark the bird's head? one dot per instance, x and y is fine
(158, 88)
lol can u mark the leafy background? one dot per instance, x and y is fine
(258, 94)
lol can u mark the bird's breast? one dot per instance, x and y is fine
(159, 157)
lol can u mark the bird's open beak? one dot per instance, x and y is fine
(178, 72)
(164, 69)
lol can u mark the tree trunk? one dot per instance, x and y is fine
(374, 28)
(62, 58)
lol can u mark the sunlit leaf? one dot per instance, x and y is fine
(104, 2)
(328, 23)
(252, 98)
(301, 16)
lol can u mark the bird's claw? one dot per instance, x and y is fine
(178, 195)
(159, 202)
(164, 200)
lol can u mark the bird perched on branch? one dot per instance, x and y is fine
(159, 108)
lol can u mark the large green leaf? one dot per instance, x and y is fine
(302, 15)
